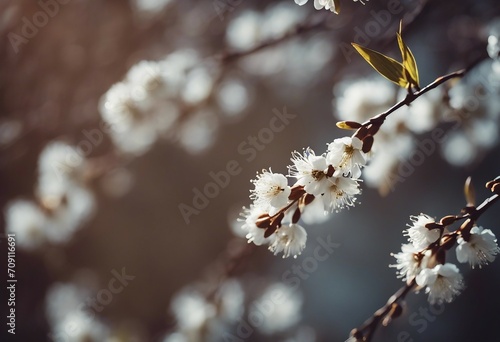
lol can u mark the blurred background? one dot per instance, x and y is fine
(115, 115)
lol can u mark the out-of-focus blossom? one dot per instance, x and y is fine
(284, 308)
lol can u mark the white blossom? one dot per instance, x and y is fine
(442, 283)
(60, 167)
(346, 155)
(146, 79)
(315, 212)
(60, 161)
(361, 99)
(310, 171)
(71, 317)
(198, 131)
(480, 249)
(253, 233)
(198, 85)
(340, 193)
(78, 326)
(326, 4)
(191, 310)
(118, 108)
(233, 97)
(232, 299)
(27, 222)
(409, 262)
(290, 239)
(151, 6)
(419, 235)
(284, 305)
(244, 31)
(271, 191)
(66, 218)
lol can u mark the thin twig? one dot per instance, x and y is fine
(410, 97)
(373, 322)
(298, 30)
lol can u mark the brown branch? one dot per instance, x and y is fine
(297, 31)
(410, 97)
(366, 331)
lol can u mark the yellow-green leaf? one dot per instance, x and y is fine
(386, 66)
(409, 62)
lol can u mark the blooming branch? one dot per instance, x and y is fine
(422, 262)
(328, 182)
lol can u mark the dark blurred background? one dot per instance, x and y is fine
(50, 89)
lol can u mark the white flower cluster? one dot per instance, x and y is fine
(170, 98)
(220, 315)
(442, 281)
(70, 316)
(63, 202)
(330, 180)
(199, 318)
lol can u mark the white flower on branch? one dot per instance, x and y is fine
(419, 235)
(409, 262)
(310, 171)
(290, 239)
(480, 249)
(442, 283)
(271, 191)
(341, 193)
(253, 233)
(346, 155)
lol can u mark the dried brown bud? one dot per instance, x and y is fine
(296, 193)
(467, 225)
(433, 225)
(308, 199)
(368, 143)
(395, 311)
(263, 221)
(296, 216)
(330, 171)
(448, 241)
(358, 335)
(437, 258)
(496, 188)
(269, 231)
(493, 184)
(361, 133)
(447, 220)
